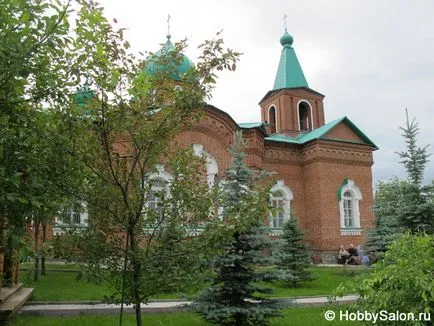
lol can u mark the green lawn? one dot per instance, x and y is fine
(58, 286)
(293, 317)
(328, 278)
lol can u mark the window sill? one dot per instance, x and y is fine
(351, 231)
(275, 232)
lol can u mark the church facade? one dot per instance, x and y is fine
(322, 170)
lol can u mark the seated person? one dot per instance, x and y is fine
(343, 255)
(364, 259)
(354, 258)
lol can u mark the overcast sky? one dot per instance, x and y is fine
(371, 59)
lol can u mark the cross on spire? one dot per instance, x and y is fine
(168, 24)
(284, 20)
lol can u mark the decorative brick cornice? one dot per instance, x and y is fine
(349, 153)
(276, 155)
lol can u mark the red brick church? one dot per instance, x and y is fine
(323, 170)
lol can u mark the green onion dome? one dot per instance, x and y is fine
(152, 67)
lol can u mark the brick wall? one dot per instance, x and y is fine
(314, 173)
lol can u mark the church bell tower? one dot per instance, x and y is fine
(291, 107)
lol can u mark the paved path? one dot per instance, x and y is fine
(65, 309)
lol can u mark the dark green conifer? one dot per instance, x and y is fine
(294, 257)
(235, 296)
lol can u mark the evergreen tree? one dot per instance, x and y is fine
(414, 158)
(418, 215)
(390, 198)
(386, 230)
(235, 298)
(294, 257)
(399, 204)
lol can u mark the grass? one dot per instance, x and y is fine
(327, 279)
(61, 286)
(293, 316)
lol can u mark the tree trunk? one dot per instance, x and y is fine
(36, 238)
(8, 270)
(44, 237)
(137, 265)
(2, 256)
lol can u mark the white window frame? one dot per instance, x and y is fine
(285, 200)
(212, 168)
(155, 190)
(355, 197)
(61, 227)
(160, 174)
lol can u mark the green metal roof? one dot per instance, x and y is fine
(83, 96)
(289, 73)
(248, 125)
(251, 125)
(320, 133)
(152, 67)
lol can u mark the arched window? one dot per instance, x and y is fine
(156, 193)
(211, 164)
(159, 182)
(281, 197)
(349, 196)
(272, 119)
(304, 116)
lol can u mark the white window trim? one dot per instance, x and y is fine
(288, 197)
(357, 197)
(212, 169)
(160, 174)
(60, 227)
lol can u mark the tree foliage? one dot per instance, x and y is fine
(34, 73)
(113, 142)
(235, 297)
(118, 139)
(402, 281)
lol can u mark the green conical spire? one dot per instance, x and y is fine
(289, 74)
